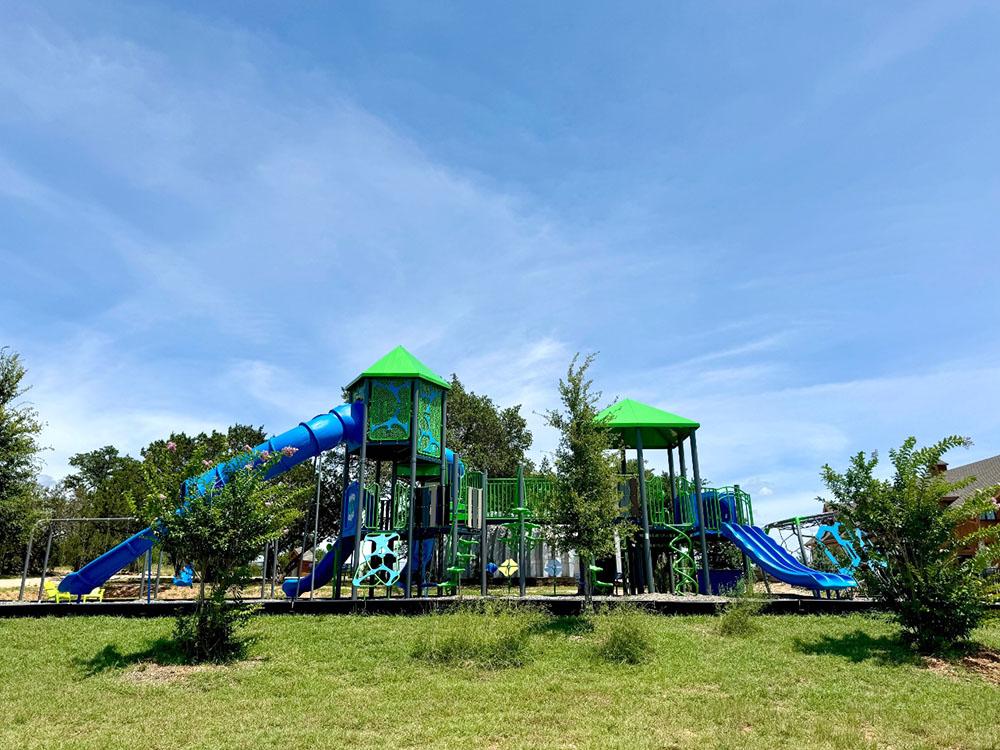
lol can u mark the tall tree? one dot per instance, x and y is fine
(582, 513)
(928, 559)
(488, 437)
(19, 463)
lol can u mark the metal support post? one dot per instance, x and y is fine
(647, 548)
(705, 576)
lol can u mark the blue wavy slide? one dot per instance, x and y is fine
(310, 439)
(322, 572)
(776, 561)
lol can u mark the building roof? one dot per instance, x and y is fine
(399, 363)
(986, 473)
(660, 429)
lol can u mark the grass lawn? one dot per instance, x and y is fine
(837, 682)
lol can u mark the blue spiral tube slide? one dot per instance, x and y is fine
(309, 439)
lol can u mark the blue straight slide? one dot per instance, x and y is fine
(322, 571)
(309, 439)
(776, 561)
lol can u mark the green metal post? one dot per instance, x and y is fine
(483, 584)
(379, 506)
(522, 503)
(453, 487)
(647, 550)
(746, 560)
(392, 495)
(705, 576)
(411, 558)
(673, 485)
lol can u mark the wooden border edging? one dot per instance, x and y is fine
(559, 606)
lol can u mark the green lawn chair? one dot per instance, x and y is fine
(52, 592)
(599, 587)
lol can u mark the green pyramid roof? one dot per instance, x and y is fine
(660, 429)
(399, 363)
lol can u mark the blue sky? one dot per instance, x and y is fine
(780, 219)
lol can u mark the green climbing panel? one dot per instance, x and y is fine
(390, 409)
(430, 415)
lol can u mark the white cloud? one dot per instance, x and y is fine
(305, 239)
(778, 437)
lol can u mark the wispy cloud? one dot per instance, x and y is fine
(208, 224)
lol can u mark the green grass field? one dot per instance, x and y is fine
(831, 682)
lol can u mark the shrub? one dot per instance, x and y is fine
(624, 636)
(487, 635)
(923, 563)
(220, 531)
(739, 614)
(211, 632)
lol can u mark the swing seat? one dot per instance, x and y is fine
(185, 577)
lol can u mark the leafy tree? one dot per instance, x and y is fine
(104, 484)
(19, 463)
(488, 438)
(108, 483)
(930, 560)
(168, 463)
(220, 533)
(582, 513)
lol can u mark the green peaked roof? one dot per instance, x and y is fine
(660, 429)
(399, 363)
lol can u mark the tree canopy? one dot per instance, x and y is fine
(20, 428)
(582, 513)
(488, 437)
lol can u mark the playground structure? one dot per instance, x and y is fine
(432, 528)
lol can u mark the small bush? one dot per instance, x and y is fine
(211, 632)
(739, 615)
(624, 636)
(918, 562)
(941, 611)
(486, 635)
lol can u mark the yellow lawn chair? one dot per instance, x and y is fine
(97, 595)
(52, 592)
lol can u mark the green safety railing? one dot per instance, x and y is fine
(502, 496)
(661, 513)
